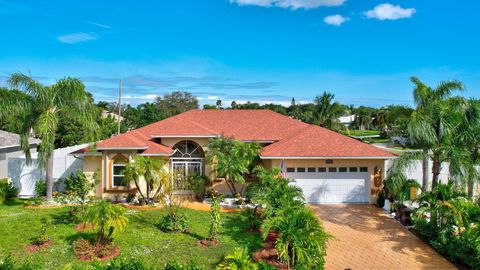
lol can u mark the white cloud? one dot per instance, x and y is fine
(390, 12)
(336, 20)
(293, 4)
(212, 97)
(76, 38)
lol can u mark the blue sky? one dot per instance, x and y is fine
(363, 51)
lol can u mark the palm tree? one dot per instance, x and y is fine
(40, 115)
(432, 123)
(301, 238)
(105, 218)
(363, 118)
(152, 171)
(327, 112)
(231, 159)
(468, 140)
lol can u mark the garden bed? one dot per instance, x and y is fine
(142, 239)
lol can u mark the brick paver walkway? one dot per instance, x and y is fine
(366, 238)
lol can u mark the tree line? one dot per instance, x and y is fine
(444, 126)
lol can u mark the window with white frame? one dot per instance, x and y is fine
(118, 176)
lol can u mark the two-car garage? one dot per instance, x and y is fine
(330, 185)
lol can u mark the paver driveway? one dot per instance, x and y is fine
(366, 238)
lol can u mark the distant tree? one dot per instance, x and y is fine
(327, 112)
(233, 105)
(41, 114)
(219, 104)
(142, 115)
(209, 107)
(363, 118)
(177, 102)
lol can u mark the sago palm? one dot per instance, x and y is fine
(40, 115)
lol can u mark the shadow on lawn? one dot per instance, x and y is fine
(64, 217)
(236, 228)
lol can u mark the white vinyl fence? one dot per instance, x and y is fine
(25, 176)
(415, 171)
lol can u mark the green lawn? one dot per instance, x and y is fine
(142, 239)
(357, 132)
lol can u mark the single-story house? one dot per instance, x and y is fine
(328, 166)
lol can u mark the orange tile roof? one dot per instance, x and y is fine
(290, 137)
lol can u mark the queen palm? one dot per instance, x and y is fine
(468, 140)
(40, 114)
(433, 122)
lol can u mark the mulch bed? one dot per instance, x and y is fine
(34, 248)
(268, 253)
(207, 243)
(81, 227)
(114, 253)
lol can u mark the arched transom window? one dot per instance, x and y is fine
(188, 149)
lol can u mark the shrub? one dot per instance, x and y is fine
(174, 221)
(251, 217)
(239, 260)
(8, 263)
(381, 200)
(130, 197)
(7, 190)
(198, 184)
(466, 248)
(41, 188)
(274, 192)
(301, 239)
(42, 237)
(265, 266)
(79, 184)
(215, 218)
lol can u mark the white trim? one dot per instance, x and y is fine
(113, 173)
(185, 136)
(122, 148)
(319, 157)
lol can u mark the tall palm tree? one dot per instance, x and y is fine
(327, 112)
(468, 140)
(40, 115)
(431, 124)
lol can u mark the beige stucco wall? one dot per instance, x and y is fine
(370, 163)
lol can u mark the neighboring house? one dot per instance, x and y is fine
(328, 166)
(10, 148)
(347, 120)
(115, 116)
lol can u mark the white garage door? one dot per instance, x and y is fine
(333, 187)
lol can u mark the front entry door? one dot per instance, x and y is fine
(181, 170)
